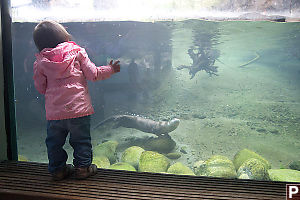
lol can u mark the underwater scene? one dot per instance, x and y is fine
(201, 98)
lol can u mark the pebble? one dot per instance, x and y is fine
(274, 131)
(182, 150)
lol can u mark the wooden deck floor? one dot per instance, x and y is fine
(27, 180)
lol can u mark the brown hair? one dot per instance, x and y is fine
(48, 34)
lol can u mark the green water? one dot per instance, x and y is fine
(253, 102)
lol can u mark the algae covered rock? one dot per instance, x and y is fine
(295, 165)
(101, 161)
(198, 164)
(107, 149)
(253, 169)
(246, 154)
(288, 175)
(217, 166)
(22, 158)
(122, 166)
(243, 176)
(180, 169)
(151, 161)
(132, 155)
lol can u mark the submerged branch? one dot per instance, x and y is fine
(250, 61)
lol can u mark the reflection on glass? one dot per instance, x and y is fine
(144, 10)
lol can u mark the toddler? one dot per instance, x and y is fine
(61, 71)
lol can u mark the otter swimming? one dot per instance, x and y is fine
(146, 125)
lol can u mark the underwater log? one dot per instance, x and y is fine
(146, 125)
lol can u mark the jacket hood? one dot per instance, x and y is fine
(58, 61)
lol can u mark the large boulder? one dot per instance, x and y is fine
(246, 154)
(180, 169)
(151, 161)
(253, 169)
(288, 175)
(101, 161)
(122, 166)
(132, 156)
(107, 149)
(217, 166)
(161, 144)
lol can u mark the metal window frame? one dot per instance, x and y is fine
(8, 73)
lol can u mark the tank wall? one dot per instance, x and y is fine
(3, 145)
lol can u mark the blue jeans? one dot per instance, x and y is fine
(80, 140)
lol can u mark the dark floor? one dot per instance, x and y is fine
(27, 180)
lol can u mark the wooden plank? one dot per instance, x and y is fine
(58, 188)
(92, 181)
(26, 180)
(177, 186)
(154, 179)
(95, 184)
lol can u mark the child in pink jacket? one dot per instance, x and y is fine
(61, 71)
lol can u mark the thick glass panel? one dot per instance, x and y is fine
(234, 86)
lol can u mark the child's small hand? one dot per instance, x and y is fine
(115, 66)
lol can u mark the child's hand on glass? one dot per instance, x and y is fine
(115, 66)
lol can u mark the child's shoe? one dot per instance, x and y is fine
(84, 172)
(64, 173)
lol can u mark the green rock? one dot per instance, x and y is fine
(107, 149)
(101, 161)
(173, 156)
(288, 175)
(151, 161)
(217, 166)
(180, 169)
(122, 166)
(254, 169)
(132, 156)
(198, 164)
(23, 158)
(246, 154)
(295, 165)
(243, 176)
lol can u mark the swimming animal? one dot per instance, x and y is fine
(146, 125)
(202, 60)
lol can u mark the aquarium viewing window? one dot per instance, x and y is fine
(206, 88)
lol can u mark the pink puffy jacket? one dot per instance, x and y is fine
(61, 74)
